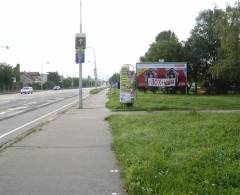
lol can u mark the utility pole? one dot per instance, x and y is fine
(95, 65)
(95, 72)
(80, 64)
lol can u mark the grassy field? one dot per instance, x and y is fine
(150, 102)
(178, 153)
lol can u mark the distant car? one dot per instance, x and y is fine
(56, 87)
(26, 90)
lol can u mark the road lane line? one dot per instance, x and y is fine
(17, 108)
(15, 113)
(2, 113)
(41, 105)
(38, 119)
(32, 103)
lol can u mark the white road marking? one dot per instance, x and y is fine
(44, 104)
(2, 113)
(17, 108)
(32, 103)
(38, 119)
(6, 101)
(15, 113)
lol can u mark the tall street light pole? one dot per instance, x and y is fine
(95, 65)
(95, 68)
(80, 64)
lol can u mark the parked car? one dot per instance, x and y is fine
(26, 90)
(56, 87)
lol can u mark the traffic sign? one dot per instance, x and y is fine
(79, 58)
(80, 41)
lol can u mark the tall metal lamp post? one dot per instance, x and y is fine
(80, 63)
(95, 65)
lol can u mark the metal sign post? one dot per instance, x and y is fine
(80, 45)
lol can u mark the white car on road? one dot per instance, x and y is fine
(27, 90)
(56, 88)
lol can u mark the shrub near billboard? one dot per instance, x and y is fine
(169, 74)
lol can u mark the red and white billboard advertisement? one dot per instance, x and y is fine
(162, 74)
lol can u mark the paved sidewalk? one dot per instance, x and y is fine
(71, 155)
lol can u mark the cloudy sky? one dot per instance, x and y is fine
(41, 33)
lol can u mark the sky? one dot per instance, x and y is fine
(41, 33)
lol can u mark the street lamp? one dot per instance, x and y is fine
(95, 65)
(80, 64)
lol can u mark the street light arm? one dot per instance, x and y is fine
(5, 46)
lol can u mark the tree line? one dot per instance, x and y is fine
(54, 79)
(212, 51)
(9, 77)
(10, 80)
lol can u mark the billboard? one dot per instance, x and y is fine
(168, 74)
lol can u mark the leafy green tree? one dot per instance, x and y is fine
(6, 76)
(212, 50)
(201, 49)
(227, 67)
(75, 82)
(88, 82)
(67, 83)
(16, 71)
(48, 85)
(53, 78)
(1, 76)
(166, 46)
(114, 78)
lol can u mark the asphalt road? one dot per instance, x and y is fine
(12, 104)
(20, 112)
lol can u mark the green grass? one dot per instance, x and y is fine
(150, 102)
(178, 153)
(97, 90)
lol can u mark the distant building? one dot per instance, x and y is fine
(29, 78)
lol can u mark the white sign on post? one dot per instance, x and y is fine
(80, 41)
(156, 82)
